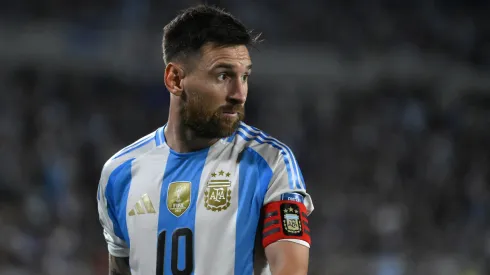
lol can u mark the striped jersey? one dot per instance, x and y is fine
(198, 212)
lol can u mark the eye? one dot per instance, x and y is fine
(222, 76)
(245, 77)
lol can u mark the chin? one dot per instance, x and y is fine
(216, 127)
(229, 127)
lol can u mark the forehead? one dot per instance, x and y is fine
(236, 55)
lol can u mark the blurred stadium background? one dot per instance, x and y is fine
(386, 104)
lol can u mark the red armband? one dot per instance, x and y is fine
(285, 220)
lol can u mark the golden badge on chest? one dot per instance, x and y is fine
(178, 197)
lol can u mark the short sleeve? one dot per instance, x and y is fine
(116, 246)
(287, 205)
(287, 180)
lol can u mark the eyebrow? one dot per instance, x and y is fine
(228, 66)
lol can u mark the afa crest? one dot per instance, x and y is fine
(291, 221)
(178, 197)
(217, 196)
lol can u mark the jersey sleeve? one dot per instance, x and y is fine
(287, 204)
(116, 246)
(287, 179)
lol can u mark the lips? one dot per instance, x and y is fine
(229, 112)
(232, 110)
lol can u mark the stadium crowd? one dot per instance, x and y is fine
(458, 29)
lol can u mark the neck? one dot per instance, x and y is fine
(181, 139)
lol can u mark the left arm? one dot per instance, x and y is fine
(287, 258)
(287, 205)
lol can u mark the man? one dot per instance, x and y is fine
(205, 194)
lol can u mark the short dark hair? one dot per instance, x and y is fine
(199, 25)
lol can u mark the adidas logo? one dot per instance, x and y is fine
(143, 206)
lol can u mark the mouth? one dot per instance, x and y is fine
(230, 114)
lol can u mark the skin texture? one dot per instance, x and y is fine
(287, 258)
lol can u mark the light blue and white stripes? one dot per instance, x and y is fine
(159, 136)
(250, 133)
(140, 143)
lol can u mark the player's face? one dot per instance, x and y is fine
(215, 91)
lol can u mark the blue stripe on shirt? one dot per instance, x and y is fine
(160, 136)
(255, 175)
(135, 146)
(116, 194)
(244, 135)
(180, 167)
(258, 135)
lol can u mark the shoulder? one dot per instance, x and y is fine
(279, 158)
(124, 156)
(272, 150)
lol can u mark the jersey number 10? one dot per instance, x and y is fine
(174, 257)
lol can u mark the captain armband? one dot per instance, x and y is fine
(285, 219)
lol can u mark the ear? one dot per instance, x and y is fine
(174, 75)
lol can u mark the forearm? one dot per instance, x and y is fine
(119, 266)
(287, 258)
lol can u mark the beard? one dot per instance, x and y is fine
(207, 122)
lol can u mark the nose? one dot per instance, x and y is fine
(237, 93)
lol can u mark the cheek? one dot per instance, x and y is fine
(214, 95)
(245, 89)
(204, 103)
(207, 94)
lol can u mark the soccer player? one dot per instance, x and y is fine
(205, 194)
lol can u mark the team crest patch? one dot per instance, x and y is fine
(217, 196)
(178, 197)
(291, 220)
